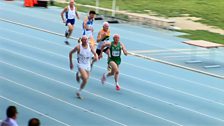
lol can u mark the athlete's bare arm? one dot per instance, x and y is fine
(76, 13)
(99, 38)
(94, 52)
(76, 49)
(62, 13)
(124, 49)
(106, 44)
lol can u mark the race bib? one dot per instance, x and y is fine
(116, 53)
(84, 60)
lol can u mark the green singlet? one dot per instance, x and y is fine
(115, 52)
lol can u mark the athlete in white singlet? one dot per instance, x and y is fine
(84, 55)
(70, 13)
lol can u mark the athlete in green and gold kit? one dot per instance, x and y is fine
(114, 59)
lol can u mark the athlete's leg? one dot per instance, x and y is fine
(70, 29)
(92, 43)
(68, 32)
(110, 73)
(77, 76)
(84, 77)
(107, 51)
(115, 72)
(94, 60)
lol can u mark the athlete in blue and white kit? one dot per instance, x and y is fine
(70, 13)
(88, 27)
(84, 55)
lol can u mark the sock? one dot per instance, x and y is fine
(79, 91)
(116, 83)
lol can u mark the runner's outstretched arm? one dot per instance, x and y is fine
(62, 14)
(76, 13)
(106, 44)
(70, 56)
(94, 53)
(124, 49)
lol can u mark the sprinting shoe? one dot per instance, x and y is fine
(77, 77)
(78, 95)
(118, 87)
(66, 33)
(67, 43)
(103, 79)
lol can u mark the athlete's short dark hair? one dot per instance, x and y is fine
(92, 12)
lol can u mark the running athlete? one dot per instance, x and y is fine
(84, 55)
(114, 60)
(103, 36)
(88, 27)
(70, 13)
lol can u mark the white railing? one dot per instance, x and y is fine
(145, 19)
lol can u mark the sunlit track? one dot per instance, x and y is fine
(127, 89)
(36, 111)
(35, 77)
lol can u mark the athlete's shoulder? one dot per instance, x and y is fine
(66, 8)
(121, 44)
(101, 31)
(77, 46)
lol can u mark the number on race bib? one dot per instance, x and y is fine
(116, 53)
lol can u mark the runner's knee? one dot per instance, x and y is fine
(116, 71)
(70, 29)
(85, 77)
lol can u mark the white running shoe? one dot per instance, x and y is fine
(78, 95)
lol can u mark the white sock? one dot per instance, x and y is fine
(79, 91)
(116, 83)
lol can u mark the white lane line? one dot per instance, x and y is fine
(164, 50)
(38, 38)
(157, 84)
(133, 54)
(133, 65)
(178, 54)
(150, 82)
(33, 110)
(202, 56)
(36, 28)
(65, 84)
(175, 77)
(177, 65)
(124, 89)
(35, 17)
(57, 99)
(43, 50)
(178, 78)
